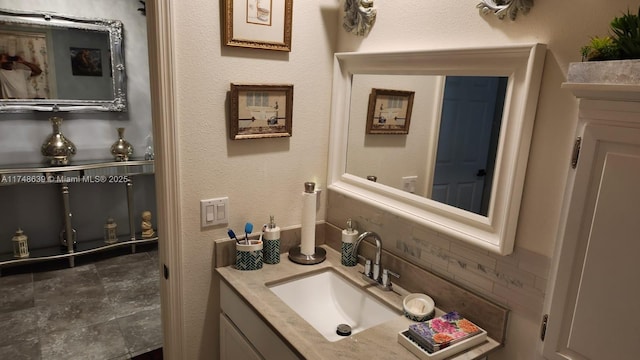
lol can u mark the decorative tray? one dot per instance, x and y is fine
(441, 337)
(405, 340)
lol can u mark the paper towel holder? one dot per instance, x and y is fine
(295, 253)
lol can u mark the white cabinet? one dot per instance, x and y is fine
(233, 345)
(248, 331)
(592, 297)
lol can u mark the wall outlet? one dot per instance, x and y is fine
(409, 183)
(214, 211)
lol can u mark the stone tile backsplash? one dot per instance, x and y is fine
(516, 281)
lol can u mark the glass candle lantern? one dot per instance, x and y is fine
(110, 230)
(20, 246)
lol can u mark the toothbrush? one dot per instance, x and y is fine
(264, 227)
(232, 235)
(248, 228)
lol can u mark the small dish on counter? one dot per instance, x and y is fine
(418, 307)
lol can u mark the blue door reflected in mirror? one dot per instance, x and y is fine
(468, 141)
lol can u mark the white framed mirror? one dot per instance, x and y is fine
(410, 178)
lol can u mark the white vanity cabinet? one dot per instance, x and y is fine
(244, 335)
(233, 345)
(592, 299)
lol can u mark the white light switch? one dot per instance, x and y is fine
(210, 215)
(409, 183)
(214, 211)
(221, 213)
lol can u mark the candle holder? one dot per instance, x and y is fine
(20, 245)
(110, 231)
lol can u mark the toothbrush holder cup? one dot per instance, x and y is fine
(249, 256)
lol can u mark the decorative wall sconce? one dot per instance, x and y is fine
(359, 16)
(502, 8)
(20, 246)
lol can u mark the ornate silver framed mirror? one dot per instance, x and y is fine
(54, 62)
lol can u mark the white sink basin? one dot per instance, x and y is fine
(326, 299)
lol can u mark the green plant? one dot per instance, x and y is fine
(600, 48)
(626, 31)
(623, 43)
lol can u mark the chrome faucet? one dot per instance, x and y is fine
(373, 273)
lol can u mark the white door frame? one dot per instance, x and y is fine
(167, 172)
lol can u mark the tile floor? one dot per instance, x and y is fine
(105, 309)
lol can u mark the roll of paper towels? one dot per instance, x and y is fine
(308, 243)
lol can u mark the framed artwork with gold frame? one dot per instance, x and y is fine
(259, 24)
(260, 111)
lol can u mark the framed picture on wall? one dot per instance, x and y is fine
(85, 62)
(260, 111)
(389, 111)
(260, 24)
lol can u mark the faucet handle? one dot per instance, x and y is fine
(386, 282)
(367, 268)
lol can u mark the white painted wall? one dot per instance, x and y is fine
(261, 177)
(21, 135)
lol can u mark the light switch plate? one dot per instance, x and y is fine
(214, 211)
(409, 183)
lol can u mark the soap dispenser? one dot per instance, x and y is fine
(349, 237)
(271, 242)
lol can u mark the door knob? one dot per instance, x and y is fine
(481, 172)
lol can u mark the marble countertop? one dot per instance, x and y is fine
(379, 342)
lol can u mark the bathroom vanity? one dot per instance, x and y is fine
(255, 323)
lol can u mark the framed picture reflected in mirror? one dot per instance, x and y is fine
(389, 111)
(85, 61)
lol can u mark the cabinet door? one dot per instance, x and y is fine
(593, 309)
(262, 338)
(234, 346)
